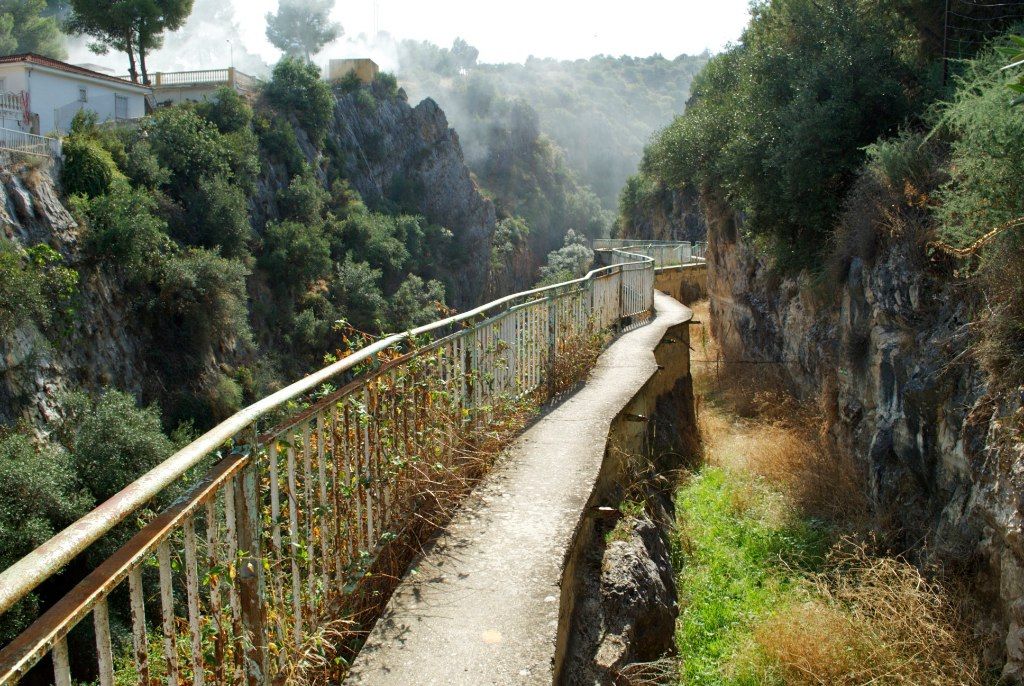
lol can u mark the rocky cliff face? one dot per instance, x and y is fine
(889, 359)
(666, 214)
(100, 347)
(407, 156)
(382, 146)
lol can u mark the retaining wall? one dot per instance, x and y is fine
(687, 283)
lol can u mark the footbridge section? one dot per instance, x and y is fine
(285, 529)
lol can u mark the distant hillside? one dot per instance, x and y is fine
(602, 111)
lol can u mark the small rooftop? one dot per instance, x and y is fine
(41, 61)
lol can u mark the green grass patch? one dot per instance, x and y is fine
(741, 551)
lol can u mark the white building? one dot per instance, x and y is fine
(42, 95)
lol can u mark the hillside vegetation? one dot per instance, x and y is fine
(214, 252)
(828, 130)
(551, 141)
(601, 111)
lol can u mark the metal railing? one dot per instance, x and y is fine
(256, 553)
(13, 140)
(664, 253)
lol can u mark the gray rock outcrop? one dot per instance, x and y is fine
(890, 359)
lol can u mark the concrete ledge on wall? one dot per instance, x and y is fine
(686, 283)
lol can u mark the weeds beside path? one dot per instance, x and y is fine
(782, 572)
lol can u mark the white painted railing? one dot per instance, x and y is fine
(13, 140)
(290, 517)
(664, 253)
(13, 103)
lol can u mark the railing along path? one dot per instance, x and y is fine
(664, 253)
(285, 520)
(13, 140)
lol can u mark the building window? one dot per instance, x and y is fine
(81, 95)
(120, 107)
(3, 85)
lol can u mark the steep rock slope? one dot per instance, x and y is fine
(404, 157)
(100, 347)
(385, 149)
(889, 360)
(651, 210)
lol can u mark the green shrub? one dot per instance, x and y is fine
(355, 291)
(777, 124)
(200, 303)
(905, 159)
(415, 303)
(223, 397)
(59, 283)
(295, 254)
(277, 138)
(510, 234)
(388, 83)
(39, 496)
(189, 145)
(303, 200)
(366, 100)
(243, 157)
(228, 110)
(113, 440)
(986, 186)
(377, 239)
(310, 329)
(571, 261)
(124, 229)
(216, 216)
(21, 290)
(296, 87)
(141, 165)
(349, 83)
(34, 286)
(88, 168)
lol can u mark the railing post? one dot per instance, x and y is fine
(250, 572)
(552, 341)
(622, 288)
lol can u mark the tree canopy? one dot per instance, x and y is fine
(24, 27)
(301, 28)
(134, 27)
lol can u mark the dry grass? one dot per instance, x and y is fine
(750, 421)
(859, 617)
(868, 620)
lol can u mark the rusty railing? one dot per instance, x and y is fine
(300, 493)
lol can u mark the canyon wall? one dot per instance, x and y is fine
(886, 350)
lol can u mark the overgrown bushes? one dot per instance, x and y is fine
(777, 124)
(985, 191)
(39, 495)
(296, 87)
(571, 261)
(88, 168)
(35, 286)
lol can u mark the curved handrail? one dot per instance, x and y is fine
(21, 578)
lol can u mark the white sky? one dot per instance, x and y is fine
(512, 31)
(503, 32)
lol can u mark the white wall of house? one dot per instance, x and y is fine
(178, 95)
(55, 95)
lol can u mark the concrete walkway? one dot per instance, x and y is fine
(481, 606)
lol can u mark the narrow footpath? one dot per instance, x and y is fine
(481, 606)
